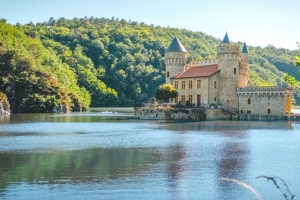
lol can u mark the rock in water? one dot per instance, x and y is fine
(4, 105)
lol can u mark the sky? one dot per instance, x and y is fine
(258, 22)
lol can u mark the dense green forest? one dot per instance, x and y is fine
(106, 62)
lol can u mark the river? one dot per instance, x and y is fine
(94, 155)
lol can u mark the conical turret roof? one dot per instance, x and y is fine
(226, 39)
(176, 46)
(244, 50)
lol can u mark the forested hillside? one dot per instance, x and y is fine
(110, 61)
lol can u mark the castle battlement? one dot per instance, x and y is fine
(204, 63)
(265, 90)
(228, 49)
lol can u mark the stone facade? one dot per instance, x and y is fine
(264, 100)
(169, 113)
(201, 88)
(218, 88)
(223, 82)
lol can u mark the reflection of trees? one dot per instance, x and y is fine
(176, 167)
(84, 165)
(232, 163)
(232, 127)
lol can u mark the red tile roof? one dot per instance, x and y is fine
(202, 71)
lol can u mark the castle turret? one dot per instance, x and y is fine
(229, 66)
(244, 67)
(175, 59)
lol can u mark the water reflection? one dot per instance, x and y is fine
(140, 159)
(68, 117)
(176, 170)
(232, 164)
(75, 166)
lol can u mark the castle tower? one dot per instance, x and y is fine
(175, 59)
(244, 67)
(229, 66)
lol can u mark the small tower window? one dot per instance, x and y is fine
(234, 71)
(248, 101)
(215, 84)
(269, 111)
(168, 74)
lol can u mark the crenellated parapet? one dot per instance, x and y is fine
(228, 49)
(204, 63)
(175, 58)
(229, 57)
(263, 90)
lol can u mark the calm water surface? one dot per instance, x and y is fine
(112, 156)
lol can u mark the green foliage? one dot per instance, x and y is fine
(33, 78)
(128, 56)
(165, 92)
(116, 62)
(297, 57)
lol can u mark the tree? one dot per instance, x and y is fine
(290, 79)
(297, 57)
(166, 92)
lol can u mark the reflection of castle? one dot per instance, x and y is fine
(223, 81)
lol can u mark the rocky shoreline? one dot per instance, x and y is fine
(4, 105)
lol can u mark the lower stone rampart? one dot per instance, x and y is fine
(169, 113)
(163, 113)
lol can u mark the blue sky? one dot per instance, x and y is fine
(259, 22)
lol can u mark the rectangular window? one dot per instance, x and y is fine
(269, 111)
(215, 84)
(183, 85)
(190, 84)
(198, 83)
(248, 101)
(190, 99)
(242, 112)
(176, 84)
(182, 99)
(176, 100)
(215, 99)
(269, 98)
(248, 112)
(234, 71)
(168, 74)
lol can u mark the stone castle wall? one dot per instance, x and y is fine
(163, 113)
(264, 100)
(207, 92)
(175, 64)
(229, 62)
(204, 63)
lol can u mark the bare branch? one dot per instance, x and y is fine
(251, 189)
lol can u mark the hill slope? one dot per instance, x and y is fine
(120, 62)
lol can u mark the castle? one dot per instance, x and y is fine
(223, 82)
